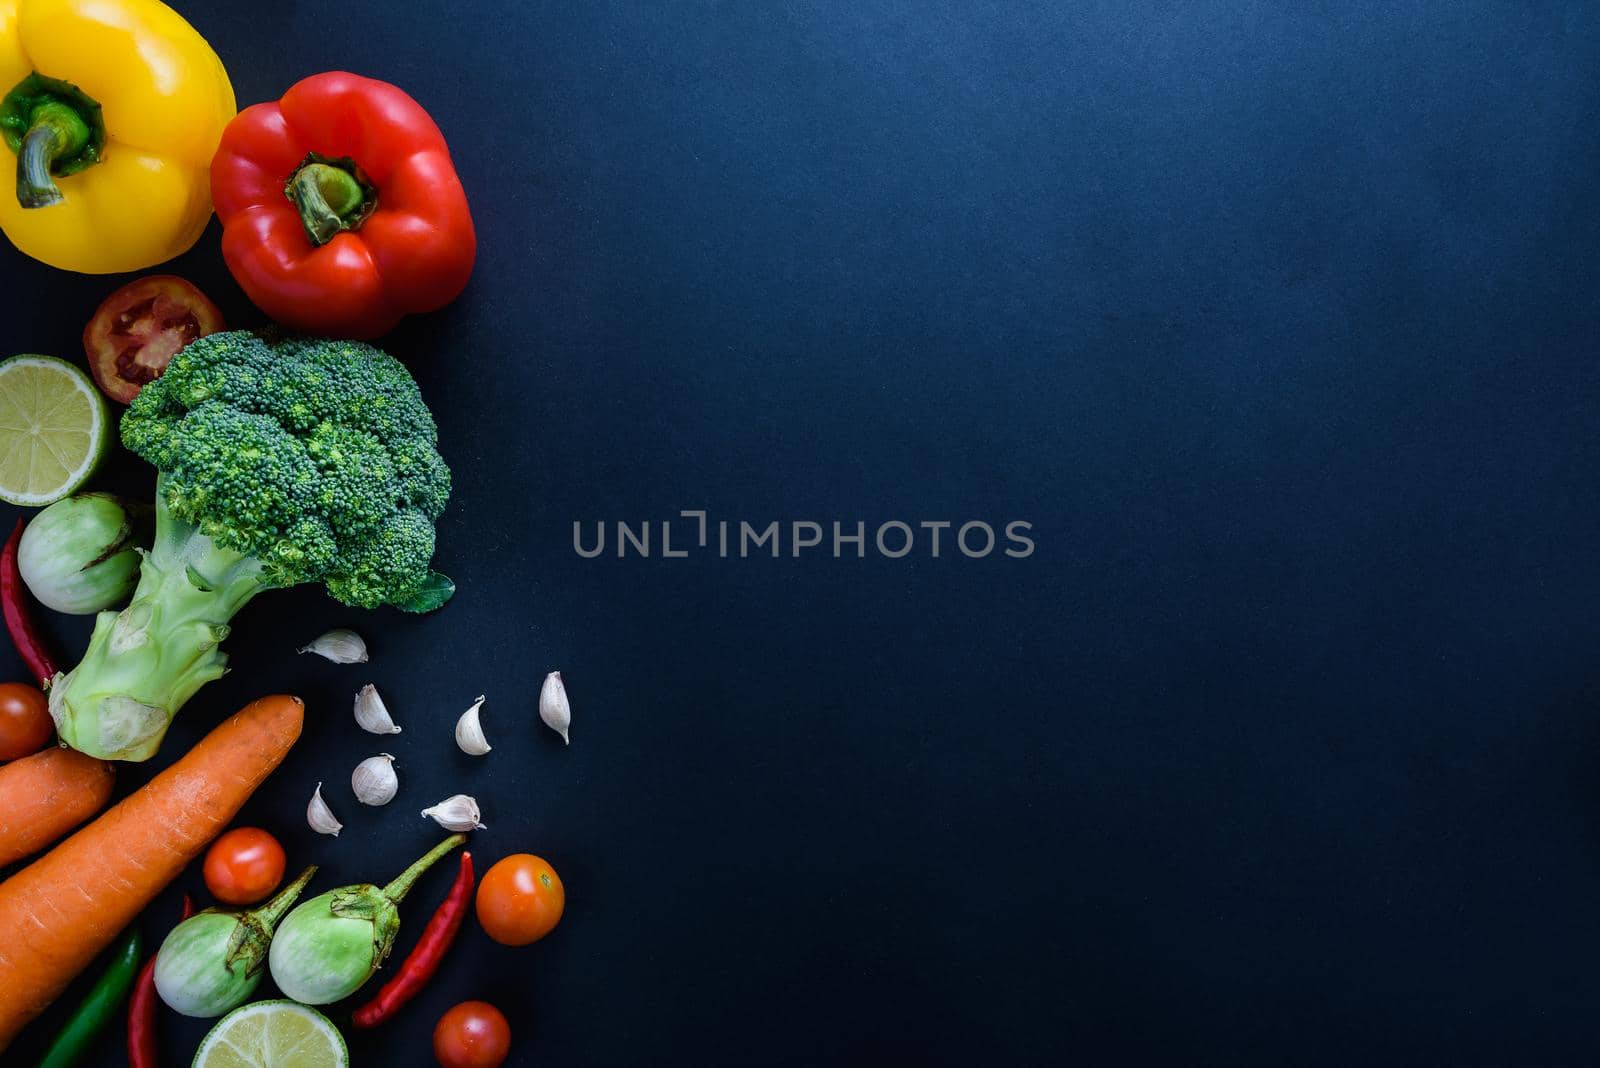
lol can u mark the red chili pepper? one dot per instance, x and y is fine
(341, 210)
(142, 1005)
(424, 959)
(19, 614)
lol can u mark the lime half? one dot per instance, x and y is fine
(273, 1034)
(54, 429)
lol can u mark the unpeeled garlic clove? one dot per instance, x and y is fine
(372, 714)
(320, 816)
(469, 731)
(553, 706)
(374, 780)
(458, 813)
(340, 646)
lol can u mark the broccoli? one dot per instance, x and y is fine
(281, 461)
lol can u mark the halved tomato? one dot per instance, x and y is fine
(138, 329)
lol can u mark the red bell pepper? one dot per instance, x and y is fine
(341, 210)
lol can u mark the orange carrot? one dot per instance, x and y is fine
(58, 913)
(45, 795)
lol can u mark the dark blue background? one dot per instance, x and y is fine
(1277, 320)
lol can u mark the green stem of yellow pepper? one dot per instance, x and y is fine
(55, 130)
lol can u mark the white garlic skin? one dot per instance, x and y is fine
(372, 715)
(320, 816)
(374, 780)
(469, 731)
(458, 813)
(554, 708)
(340, 646)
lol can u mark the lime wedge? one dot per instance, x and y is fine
(273, 1034)
(54, 429)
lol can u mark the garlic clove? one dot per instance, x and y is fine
(320, 816)
(372, 714)
(458, 813)
(553, 706)
(374, 780)
(469, 731)
(340, 646)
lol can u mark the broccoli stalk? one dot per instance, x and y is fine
(281, 463)
(145, 661)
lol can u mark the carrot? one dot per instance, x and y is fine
(58, 913)
(45, 795)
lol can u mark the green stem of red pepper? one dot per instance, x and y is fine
(91, 1017)
(332, 196)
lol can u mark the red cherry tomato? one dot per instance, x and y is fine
(25, 723)
(138, 329)
(244, 866)
(520, 900)
(474, 1034)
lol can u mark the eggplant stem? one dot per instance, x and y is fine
(270, 913)
(398, 889)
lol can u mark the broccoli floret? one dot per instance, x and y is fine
(282, 461)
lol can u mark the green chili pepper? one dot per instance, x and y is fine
(101, 1004)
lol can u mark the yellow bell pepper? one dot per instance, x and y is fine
(114, 109)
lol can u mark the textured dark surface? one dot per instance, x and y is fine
(1277, 320)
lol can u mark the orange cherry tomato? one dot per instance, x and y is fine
(474, 1034)
(244, 866)
(520, 900)
(25, 723)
